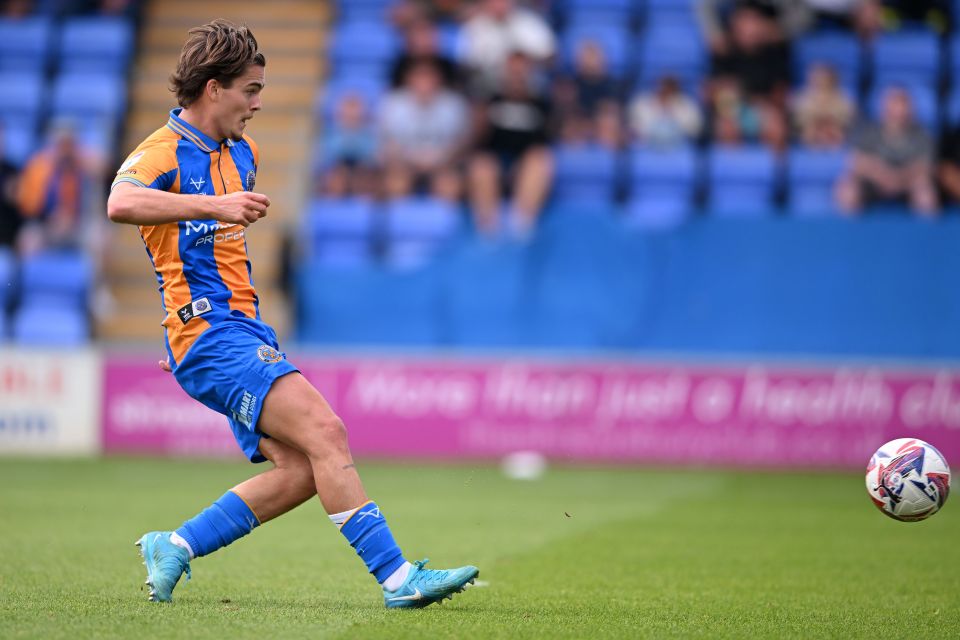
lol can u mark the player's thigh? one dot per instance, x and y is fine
(295, 413)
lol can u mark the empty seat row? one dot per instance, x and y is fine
(81, 44)
(50, 292)
(665, 185)
(406, 232)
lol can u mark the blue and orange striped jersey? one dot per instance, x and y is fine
(202, 266)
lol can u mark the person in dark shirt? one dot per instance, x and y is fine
(948, 165)
(514, 140)
(9, 211)
(422, 45)
(753, 66)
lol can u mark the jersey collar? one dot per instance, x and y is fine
(193, 134)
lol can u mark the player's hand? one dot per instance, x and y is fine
(243, 207)
(165, 365)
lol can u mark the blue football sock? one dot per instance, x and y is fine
(226, 520)
(367, 532)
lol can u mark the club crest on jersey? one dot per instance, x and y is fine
(269, 354)
(196, 308)
(251, 180)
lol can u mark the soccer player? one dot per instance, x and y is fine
(189, 188)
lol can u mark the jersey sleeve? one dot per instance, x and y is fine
(151, 165)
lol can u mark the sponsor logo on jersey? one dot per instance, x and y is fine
(132, 160)
(196, 308)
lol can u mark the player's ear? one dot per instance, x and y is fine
(213, 89)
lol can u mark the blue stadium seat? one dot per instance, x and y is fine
(96, 44)
(339, 232)
(448, 34)
(811, 177)
(656, 208)
(416, 227)
(614, 40)
(421, 218)
(363, 49)
(837, 49)
(19, 136)
(8, 277)
(663, 185)
(909, 57)
(63, 326)
(599, 13)
(952, 108)
(925, 105)
(24, 44)
(585, 173)
(370, 89)
(741, 181)
(65, 274)
(89, 95)
(953, 53)
(362, 10)
(670, 14)
(23, 94)
(672, 51)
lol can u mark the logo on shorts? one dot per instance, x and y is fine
(247, 404)
(269, 354)
(251, 180)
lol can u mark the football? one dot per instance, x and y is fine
(908, 479)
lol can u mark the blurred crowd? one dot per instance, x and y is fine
(478, 122)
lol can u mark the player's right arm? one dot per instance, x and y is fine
(133, 204)
(144, 193)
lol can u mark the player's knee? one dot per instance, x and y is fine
(326, 432)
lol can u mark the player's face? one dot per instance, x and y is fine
(239, 102)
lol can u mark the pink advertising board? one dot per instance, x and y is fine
(578, 410)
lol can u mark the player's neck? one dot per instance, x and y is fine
(198, 120)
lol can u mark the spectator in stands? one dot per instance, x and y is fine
(948, 166)
(586, 105)
(933, 13)
(862, 16)
(750, 77)
(348, 151)
(407, 12)
(496, 30)
(822, 113)
(9, 211)
(891, 161)
(665, 117)
(514, 139)
(423, 131)
(787, 18)
(53, 195)
(421, 43)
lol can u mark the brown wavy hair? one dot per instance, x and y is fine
(219, 50)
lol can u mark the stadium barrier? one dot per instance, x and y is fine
(753, 415)
(50, 402)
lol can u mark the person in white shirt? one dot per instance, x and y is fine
(423, 130)
(496, 31)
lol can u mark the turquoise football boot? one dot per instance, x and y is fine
(426, 586)
(165, 563)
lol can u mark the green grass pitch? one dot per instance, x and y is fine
(582, 553)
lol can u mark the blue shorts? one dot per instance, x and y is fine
(230, 368)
